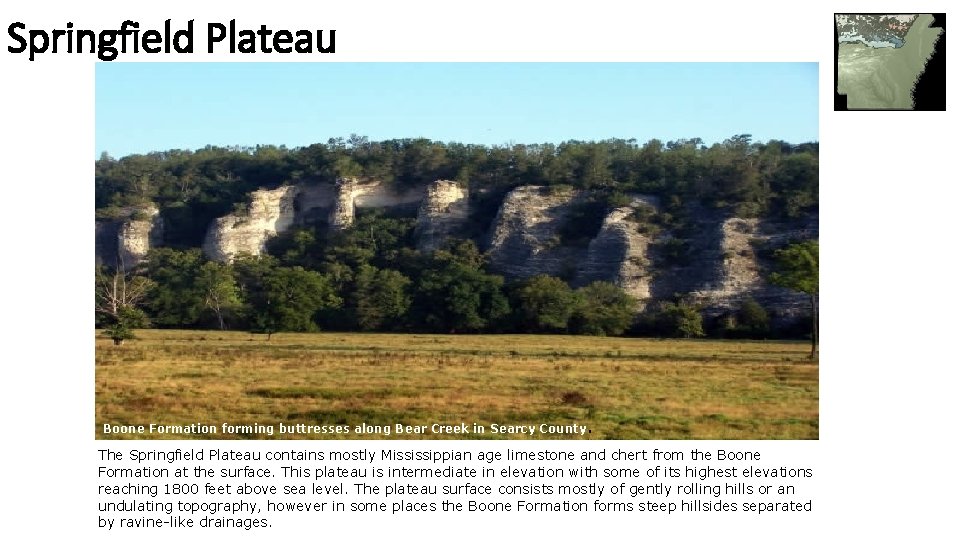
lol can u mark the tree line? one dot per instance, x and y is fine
(367, 278)
(370, 278)
(745, 178)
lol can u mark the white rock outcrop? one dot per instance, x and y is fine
(344, 205)
(353, 193)
(526, 233)
(273, 211)
(125, 241)
(618, 254)
(143, 231)
(739, 271)
(715, 260)
(444, 209)
(270, 212)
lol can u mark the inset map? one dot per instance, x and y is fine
(890, 61)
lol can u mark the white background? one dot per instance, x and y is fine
(888, 212)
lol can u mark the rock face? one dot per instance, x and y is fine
(618, 254)
(739, 269)
(269, 213)
(526, 236)
(379, 195)
(106, 242)
(723, 269)
(443, 211)
(526, 241)
(741, 260)
(353, 193)
(718, 262)
(772, 236)
(314, 203)
(143, 231)
(125, 241)
(274, 211)
(687, 263)
(344, 208)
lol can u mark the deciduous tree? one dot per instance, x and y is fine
(221, 295)
(798, 268)
(605, 310)
(118, 299)
(289, 299)
(545, 304)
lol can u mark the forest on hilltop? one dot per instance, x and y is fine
(773, 179)
(371, 277)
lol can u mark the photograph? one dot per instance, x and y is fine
(564, 251)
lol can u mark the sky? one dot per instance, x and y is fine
(146, 107)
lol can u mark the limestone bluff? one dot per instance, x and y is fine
(726, 258)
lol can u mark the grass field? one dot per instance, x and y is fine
(617, 388)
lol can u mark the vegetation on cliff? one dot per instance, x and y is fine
(370, 276)
(750, 179)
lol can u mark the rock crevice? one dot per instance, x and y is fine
(716, 260)
(273, 211)
(443, 211)
(270, 212)
(618, 253)
(526, 234)
(125, 241)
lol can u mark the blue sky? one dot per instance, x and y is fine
(144, 107)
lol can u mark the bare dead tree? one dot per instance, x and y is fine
(119, 290)
(118, 294)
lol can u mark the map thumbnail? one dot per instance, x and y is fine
(882, 59)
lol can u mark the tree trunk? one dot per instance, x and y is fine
(815, 330)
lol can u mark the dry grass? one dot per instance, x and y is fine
(618, 388)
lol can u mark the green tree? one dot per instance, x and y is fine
(796, 184)
(798, 268)
(677, 319)
(194, 187)
(752, 319)
(381, 297)
(289, 299)
(455, 294)
(297, 247)
(175, 301)
(121, 329)
(545, 304)
(221, 295)
(605, 310)
(118, 299)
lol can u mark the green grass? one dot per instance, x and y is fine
(620, 388)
